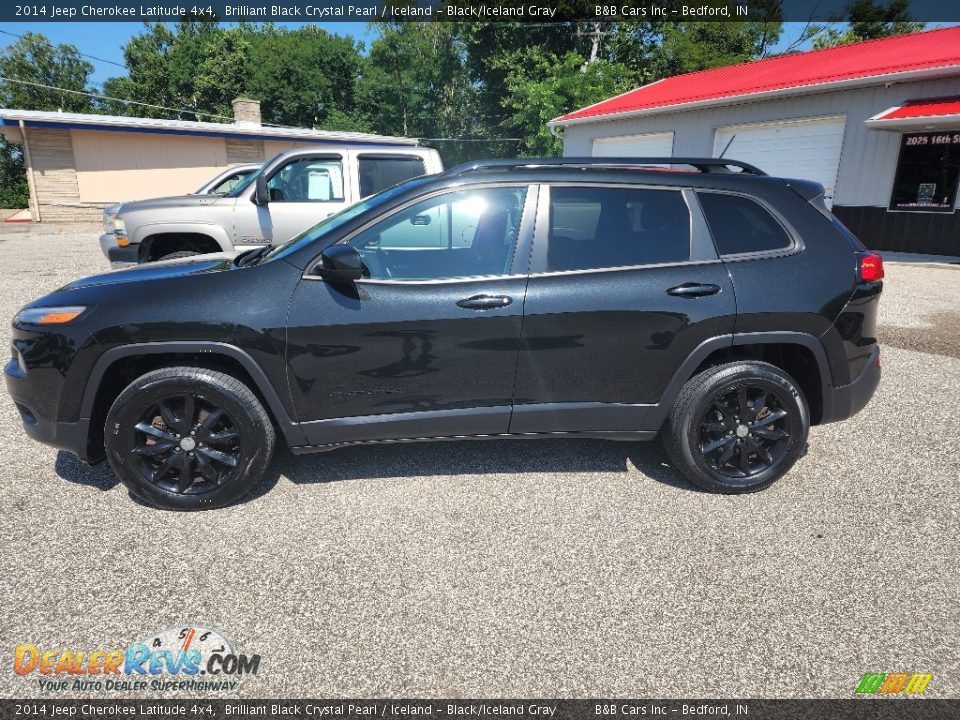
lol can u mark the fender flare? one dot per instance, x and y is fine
(659, 412)
(212, 230)
(291, 430)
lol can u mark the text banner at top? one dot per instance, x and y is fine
(538, 11)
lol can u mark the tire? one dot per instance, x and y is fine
(720, 442)
(177, 255)
(222, 458)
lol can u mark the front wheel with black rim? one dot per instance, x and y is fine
(188, 438)
(737, 427)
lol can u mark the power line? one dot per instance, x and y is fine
(92, 57)
(197, 112)
(115, 99)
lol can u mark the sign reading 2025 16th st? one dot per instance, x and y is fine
(183, 658)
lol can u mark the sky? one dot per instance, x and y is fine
(105, 40)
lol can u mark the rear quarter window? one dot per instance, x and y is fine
(378, 172)
(741, 225)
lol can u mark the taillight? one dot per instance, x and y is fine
(871, 267)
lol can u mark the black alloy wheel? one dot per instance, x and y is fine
(186, 445)
(737, 427)
(744, 432)
(188, 438)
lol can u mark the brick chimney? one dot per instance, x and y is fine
(246, 112)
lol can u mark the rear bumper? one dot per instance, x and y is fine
(119, 257)
(840, 403)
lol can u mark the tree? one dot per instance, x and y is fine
(305, 77)
(198, 68)
(542, 85)
(869, 20)
(34, 59)
(52, 71)
(415, 82)
(14, 192)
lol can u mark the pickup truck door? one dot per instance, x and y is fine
(303, 192)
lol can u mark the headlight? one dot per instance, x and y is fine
(48, 315)
(108, 219)
(120, 232)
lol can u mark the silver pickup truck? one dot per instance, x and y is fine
(287, 195)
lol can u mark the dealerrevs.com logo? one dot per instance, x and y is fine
(187, 657)
(894, 683)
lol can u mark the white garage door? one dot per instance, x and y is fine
(808, 149)
(648, 145)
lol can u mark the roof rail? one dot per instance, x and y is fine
(704, 165)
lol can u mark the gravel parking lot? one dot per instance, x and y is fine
(551, 569)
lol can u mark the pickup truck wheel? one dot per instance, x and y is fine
(738, 427)
(188, 438)
(178, 254)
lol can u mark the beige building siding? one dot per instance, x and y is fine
(118, 166)
(272, 147)
(244, 151)
(55, 177)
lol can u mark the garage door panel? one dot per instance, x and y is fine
(645, 145)
(806, 149)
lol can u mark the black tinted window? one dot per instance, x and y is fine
(740, 225)
(597, 227)
(380, 172)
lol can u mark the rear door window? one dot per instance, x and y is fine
(378, 172)
(741, 225)
(606, 227)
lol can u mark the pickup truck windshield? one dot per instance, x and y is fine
(339, 219)
(243, 184)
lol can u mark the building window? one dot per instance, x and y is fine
(928, 172)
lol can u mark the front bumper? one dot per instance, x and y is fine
(70, 436)
(119, 257)
(840, 403)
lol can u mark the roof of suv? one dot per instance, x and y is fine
(673, 171)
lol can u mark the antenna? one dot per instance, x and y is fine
(727, 146)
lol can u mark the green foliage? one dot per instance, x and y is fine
(542, 86)
(14, 192)
(467, 88)
(869, 20)
(303, 78)
(34, 59)
(199, 67)
(689, 47)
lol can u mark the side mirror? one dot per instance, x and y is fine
(261, 193)
(339, 264)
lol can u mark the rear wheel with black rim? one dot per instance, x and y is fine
(188, 438)
(737, 427)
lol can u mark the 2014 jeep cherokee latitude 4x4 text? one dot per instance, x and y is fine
(725, 311)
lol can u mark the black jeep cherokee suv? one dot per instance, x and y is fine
(697, 299)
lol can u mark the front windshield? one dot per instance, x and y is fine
(342, 217)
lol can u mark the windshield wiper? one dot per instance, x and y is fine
(253, 256)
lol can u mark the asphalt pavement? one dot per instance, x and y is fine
(561, 568)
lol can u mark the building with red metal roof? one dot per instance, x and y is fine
(877, 123)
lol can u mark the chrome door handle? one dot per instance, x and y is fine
(485, 302)
(693, 290)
